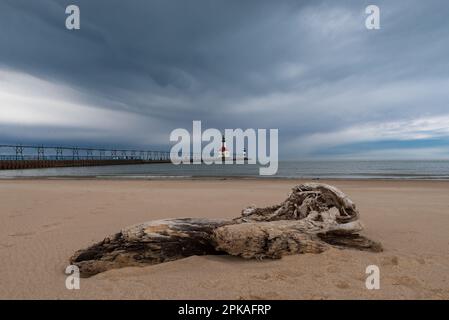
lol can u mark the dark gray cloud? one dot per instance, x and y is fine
(137, 70)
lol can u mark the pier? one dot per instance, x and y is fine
(13, 157)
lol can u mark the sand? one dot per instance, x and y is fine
(42, 222)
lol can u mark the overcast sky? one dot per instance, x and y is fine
(138, 69)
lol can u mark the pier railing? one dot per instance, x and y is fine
(39, 152)
(14, 157)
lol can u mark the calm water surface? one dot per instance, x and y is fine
(426, 170)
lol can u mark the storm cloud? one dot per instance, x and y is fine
(137, 70)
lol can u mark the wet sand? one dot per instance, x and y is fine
(42, 222)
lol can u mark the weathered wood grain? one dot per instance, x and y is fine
(312, 218)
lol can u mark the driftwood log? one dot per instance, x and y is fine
(313, 218)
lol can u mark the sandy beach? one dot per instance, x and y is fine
(42, 223)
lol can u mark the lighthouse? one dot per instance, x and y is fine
(224, 152)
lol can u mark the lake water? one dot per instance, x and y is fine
(427, 170)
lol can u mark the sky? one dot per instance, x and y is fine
(136, 70)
